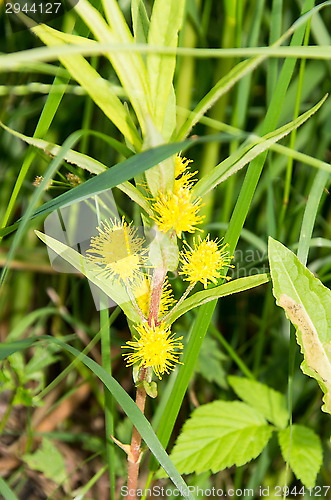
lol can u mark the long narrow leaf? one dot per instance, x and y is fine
(235, 286)
(98, 88)
(123, 399)
(166, 21)
(246, 154)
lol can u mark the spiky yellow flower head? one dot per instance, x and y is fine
(177, 212)
(205, 261)
(142, 294)
(183, 177)
(118, 251)
(156, 347)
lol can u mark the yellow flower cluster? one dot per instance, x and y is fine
(178, 211)
(120, 253)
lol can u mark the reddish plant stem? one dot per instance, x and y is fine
(157, 285)
(134, 457)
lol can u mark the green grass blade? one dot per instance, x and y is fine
(166, 20)
(235, 286)
(132, 411)
(247, 153)
(6, 491)
(109, 403)
(79, 159)
(98, 88)
(129, 66)
(245, 67)
(140, 21)
(112, 177)
(53, 101)
(106, 180)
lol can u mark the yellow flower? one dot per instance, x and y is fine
(176, 212)
(205, 261)
(156, 347)
(183, 178)
(142, 293)
(118, 252)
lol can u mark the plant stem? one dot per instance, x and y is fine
(157, 285)
(181, 300)
(134, 456)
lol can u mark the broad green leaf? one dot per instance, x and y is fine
(269, 402)
(303, 449)
(210, 362)
(115, 291)
(235, 286)
(97, 88)
(246, 153)
(219, 435)
(166, 21)
(128, 65)
(307, 303)
(48, 460)
(140, 21)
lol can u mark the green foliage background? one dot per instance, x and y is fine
(284, 195)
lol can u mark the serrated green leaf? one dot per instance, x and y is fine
(307, 303)
(219, 435)
(235, 286)
(48, 460)
(115, 291)
(303, 449)
(269, 402)
(74, 157)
